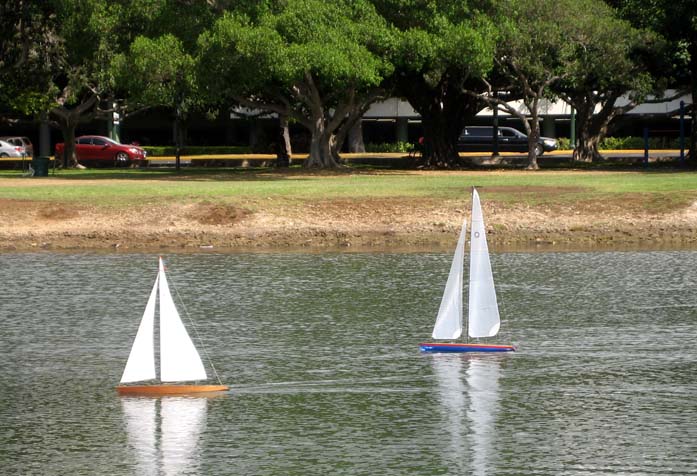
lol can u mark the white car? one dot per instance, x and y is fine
(10, 150)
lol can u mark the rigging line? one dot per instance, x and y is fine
(193, 326)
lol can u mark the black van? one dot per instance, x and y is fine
(481, 138)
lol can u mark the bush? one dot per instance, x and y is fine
(624, 143)
(621, 143)
(564, 143)
(403, 147)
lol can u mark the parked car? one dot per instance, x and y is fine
(11, 150)
(99, 149)
(22, 142)
(481, 138)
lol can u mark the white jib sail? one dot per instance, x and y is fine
(141, 361)
(179, 360)
(449, 320)
(484, 318)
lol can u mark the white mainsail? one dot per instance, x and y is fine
(484, 318)
(141, 361)
(449, 321)
(179, 359)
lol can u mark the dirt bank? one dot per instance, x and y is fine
(369, 223)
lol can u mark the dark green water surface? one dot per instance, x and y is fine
(321, 353)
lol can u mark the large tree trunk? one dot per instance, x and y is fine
(440, 142)
(67, 120)
(532, 127)
(587, 147)
(444, 110)
(347, 122)
(321, 155)
(533, 140)
(355, 138)
(592, 128)
(283, 151)
(67, 128)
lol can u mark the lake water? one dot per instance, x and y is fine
(321, 352)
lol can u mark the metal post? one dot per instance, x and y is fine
(646, 146)
(495, 148)
(682, 132)
(572, 135)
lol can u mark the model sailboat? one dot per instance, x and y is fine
(483, 319)
(179, 359)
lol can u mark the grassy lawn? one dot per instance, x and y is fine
(659, 189)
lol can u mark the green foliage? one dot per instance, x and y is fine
(534, 43)
(564, 143)
(433, 37)
(267, 55)
(30, 53)
(623, 143)
(627, 143)
(157, 72)
(611, 55)
(403, 147)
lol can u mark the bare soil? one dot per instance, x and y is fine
(368, 223)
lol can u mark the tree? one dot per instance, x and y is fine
(677, 22)
(443, 48)
(315, 62)
(92, 32)
(613, 60)
(30, 52)
(158, 72)
(533, 53)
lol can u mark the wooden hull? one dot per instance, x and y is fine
(453, 348)
(156, 390)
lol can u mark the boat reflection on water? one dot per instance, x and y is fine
(469, 407)
(169, 444)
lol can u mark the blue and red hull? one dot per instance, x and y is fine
(447, 347)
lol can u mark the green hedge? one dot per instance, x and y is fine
(403, 147)
(159, 151)
(623, 143)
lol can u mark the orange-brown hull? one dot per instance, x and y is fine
(169, 389)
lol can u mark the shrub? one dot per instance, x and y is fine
(564, 143)
(403, 147)
(624, 143)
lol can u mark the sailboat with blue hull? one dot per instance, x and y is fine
(483, 310)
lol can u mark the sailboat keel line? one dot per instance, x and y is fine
(453, 348)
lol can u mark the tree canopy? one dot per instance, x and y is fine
(322, 63)
(441, 46)
(312, 60)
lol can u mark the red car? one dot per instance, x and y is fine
(106, 151)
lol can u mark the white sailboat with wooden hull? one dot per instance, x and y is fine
(483, 319)
(179, 359)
